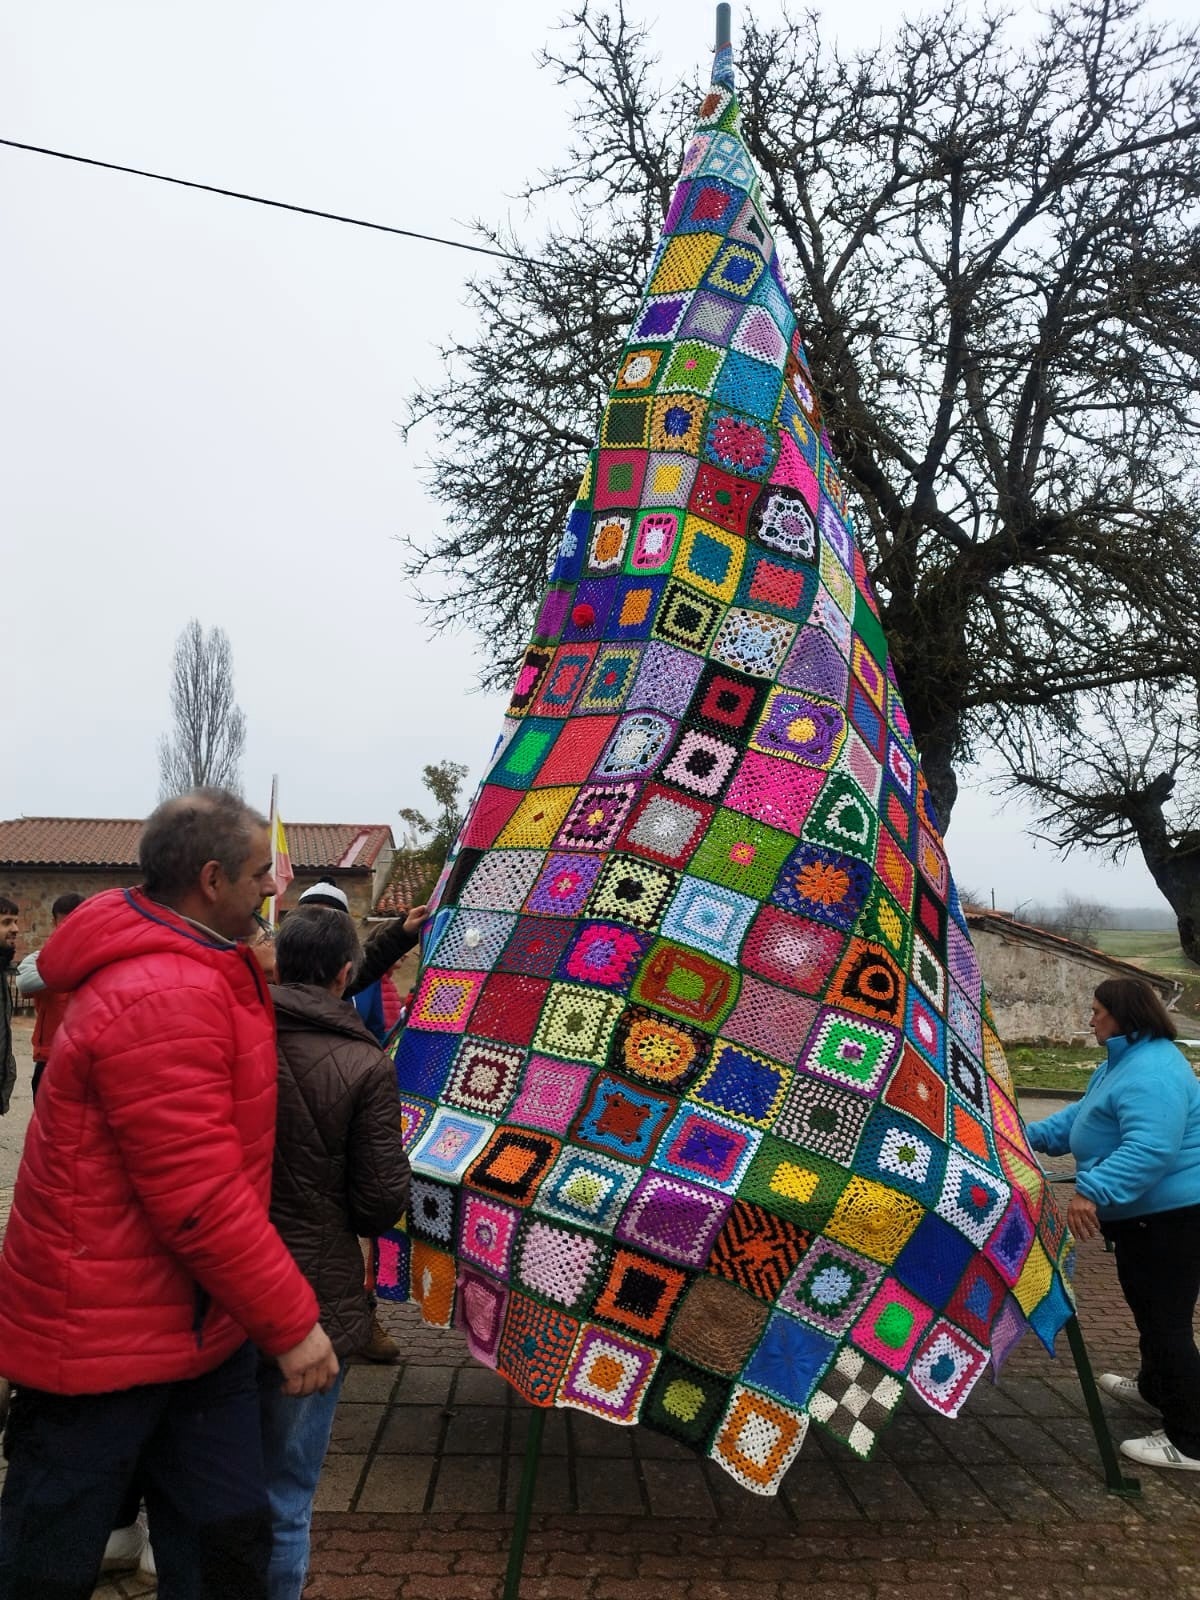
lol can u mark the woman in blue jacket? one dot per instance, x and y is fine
(1135, 1137)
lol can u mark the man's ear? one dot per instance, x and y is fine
(211, 874)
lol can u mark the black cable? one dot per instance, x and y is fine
(279, 205)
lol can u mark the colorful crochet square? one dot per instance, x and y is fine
(709, 1123)
(608, 1375)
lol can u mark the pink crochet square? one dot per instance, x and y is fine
(777, 792)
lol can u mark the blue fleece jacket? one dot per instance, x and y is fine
(1135, 1135)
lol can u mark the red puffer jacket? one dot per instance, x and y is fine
(139, 1246)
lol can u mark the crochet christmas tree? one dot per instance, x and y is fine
(710, 1126)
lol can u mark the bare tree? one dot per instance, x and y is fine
(1126, 775)
(209, 733)
(995, 258)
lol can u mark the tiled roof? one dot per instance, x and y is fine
(999, 922)
(70, 842)
(410, 881)
(113, 842)
(346, 845)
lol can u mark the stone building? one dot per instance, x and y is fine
(43, 857)
(1041, 985)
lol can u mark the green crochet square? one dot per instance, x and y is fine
(742, 854)
(793, 1183)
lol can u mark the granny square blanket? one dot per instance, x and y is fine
(710, 1126)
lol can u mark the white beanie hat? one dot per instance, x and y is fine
(325, 893)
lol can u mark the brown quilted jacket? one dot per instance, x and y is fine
(340, 1167)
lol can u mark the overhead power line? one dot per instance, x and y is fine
(278, 205)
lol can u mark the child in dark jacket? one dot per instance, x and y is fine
(340, 1171)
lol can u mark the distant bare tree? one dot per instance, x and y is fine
(1126, 775)
(209, 734)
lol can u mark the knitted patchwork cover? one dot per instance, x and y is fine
(710, 1126)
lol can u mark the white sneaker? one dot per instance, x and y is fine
(146, 1567)
(1156, 1450)
(1125, 1390)
(124, 1548)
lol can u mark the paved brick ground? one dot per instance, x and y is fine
(416, 1498)
(415, 1502)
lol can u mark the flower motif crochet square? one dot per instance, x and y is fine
(753, 641)
(605, 954)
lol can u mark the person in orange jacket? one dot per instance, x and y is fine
(49, 1007)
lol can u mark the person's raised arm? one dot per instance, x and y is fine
(384, 948)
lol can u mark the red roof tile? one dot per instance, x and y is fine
(347, 846)
(113, 842)
(69, 842)
(410, 882)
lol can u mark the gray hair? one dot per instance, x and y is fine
(314, 944)
(191, 829)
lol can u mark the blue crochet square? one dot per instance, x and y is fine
(933, 1261)
(789, 1360)
(423, 1062)
(743, 1085)
(748, 385)
(622, 1120)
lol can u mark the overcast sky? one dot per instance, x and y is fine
(199, 398)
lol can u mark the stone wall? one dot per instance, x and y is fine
(359, 889)
(36, 892)
(1039, 994)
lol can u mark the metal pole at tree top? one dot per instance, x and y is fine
(724, 24)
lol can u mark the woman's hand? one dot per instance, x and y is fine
(1082, 1218)
(414, 919)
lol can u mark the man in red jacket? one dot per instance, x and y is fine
(140, 1260)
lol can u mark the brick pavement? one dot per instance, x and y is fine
(416, 1498)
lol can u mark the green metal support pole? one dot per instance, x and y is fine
(724, 14)
(1114, 1478)
(529, 1472)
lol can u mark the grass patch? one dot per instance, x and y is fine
(1063, 1066)
(1158, 951)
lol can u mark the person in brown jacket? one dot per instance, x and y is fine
(340, 1171)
